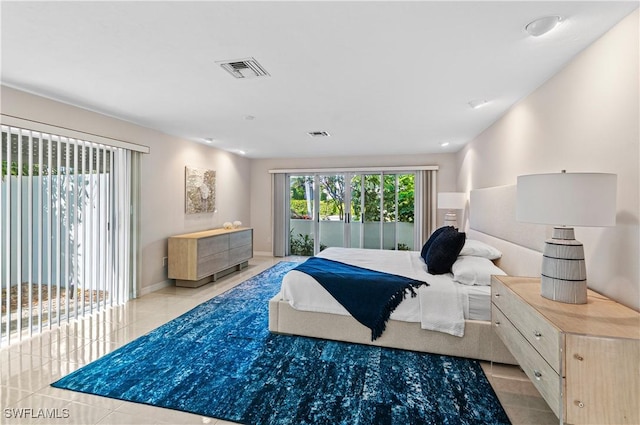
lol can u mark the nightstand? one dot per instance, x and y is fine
(584, 359)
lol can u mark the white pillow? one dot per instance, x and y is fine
(480, 249)
(470, 270)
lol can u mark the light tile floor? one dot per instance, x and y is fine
(27, 369)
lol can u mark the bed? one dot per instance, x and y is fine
(407, 329)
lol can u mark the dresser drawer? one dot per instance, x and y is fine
(213, 245)
(544, 378)
(240, 254)
(541, 334)
(212, 264)
(241, 238)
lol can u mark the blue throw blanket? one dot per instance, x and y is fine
(368, 295)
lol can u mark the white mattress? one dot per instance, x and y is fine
(443, 295)
(478, 305)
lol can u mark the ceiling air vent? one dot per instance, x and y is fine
(244, 68)
(318, 134)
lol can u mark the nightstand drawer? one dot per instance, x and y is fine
(535, 328)
(544, 378)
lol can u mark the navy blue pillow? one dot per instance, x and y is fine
(434, 235)
(444, 251)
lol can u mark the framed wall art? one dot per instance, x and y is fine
(200, 190)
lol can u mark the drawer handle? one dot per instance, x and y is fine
(578, 357)
(537, 374)
(497, 323)
(579, 403)
(496, 295)
(537, 334)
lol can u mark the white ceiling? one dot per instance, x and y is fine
(381, 77)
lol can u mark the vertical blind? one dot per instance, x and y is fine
(425, 205)
(279, 187)
(66, 243)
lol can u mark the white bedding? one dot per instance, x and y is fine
(442, 306)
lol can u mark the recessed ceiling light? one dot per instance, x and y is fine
(444, 144)
(208, 140)
(478, 103)
(241, 152)
(542, 25)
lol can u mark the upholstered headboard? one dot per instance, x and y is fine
(492, 219)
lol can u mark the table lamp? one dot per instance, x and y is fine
(566, 199)
(451, 201)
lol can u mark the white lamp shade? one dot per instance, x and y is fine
(452, 200)
(572, 199)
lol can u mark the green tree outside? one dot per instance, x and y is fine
(332, 197)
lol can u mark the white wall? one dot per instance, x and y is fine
(583, 119)
(162, 175)
(261, 197)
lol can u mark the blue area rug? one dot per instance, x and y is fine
(220, 360)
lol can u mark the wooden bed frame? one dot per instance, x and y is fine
(479, 341)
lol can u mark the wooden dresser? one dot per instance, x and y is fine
(584, 359)
(201, 257)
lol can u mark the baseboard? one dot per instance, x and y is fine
(155, 287)
(160, 285)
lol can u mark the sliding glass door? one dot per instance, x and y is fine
(302, 229)
(401, 212)
(356, 208)
(361, 210)
(66, 230)
(384, 208)
(333, 205)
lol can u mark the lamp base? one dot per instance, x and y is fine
(451, 219)
(564, 274)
